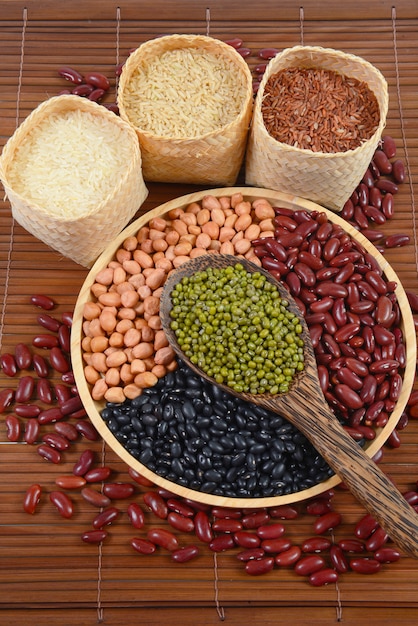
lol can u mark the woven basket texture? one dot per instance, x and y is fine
(325, 178)
(214, 158)
(81, 239)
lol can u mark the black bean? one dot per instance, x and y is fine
(197, 435)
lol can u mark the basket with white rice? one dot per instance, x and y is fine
(189, 98)
(72, 172)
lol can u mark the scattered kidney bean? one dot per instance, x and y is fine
(156, 504)
(288, 557)
(44, 391)
(316, 544)
(365, 526)
(58, 359)
(63, 503)
(119, 490)
(84, 463)
(136, 515)
(309, 564)
(338, 560)
(13, 428)
(49, 416)
(87, 430)
(70, 482)
(203, 529)
(6, 398)
(48, 322)
(95, 497)
(42, 301)
(23, 356)
(32, 498)
(105, 517)
(8, 364)
(185, 554)
(56, 441)
(387, 555)
(323, 577)
(177, 521)
(40, 365)
(72, 75)
(97, 474)
(143, 546)
(365, 565)
(94, 536)
(163, 538)
(32, 428)
(258, 567)
(326, 522)
(48, 453)
(222, 542)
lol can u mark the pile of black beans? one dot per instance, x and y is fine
(198, 436)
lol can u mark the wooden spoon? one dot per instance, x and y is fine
(305, 406)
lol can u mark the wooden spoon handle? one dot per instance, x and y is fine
(362, 476)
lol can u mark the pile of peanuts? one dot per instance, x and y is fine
(124, 346)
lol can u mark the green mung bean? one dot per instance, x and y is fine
(235, 326)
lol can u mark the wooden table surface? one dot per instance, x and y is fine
(47, 574)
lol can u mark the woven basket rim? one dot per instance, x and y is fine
(330, 52)
(189, 39)
(80, 104)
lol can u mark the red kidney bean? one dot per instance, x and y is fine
(236, 42)
(325, 522)
(67, 318)
(59, 360)
(348, 396)
(351, 545)
(82, 90)
(64, 337)
(40, 365)
(71, 405)
(97, 80)
(163, 538)
(316, 544)
(8, 364)
(45, 341)
(97, 474)
(305, 274)
(346, 332)
(413, 301)
(323, 577)
(394, 440)
(136, 515)
(6, 398)
(42, 302)
(365, 526)
(13, 428)
(387, 185)
(411, 497)
(48, 322)
(384, 366)
(309, 564)
(398, 171)
(23, 356)
(374, 214)
(143, 546)
(68, 377)
(119, 490)
(32, 498)
(94, 536)
(284, 511)
(344, 274)
(271, 531)
(275, 546)
(223, 512)
(44, 391)
(330, 249)
(203, 529)
(185, 554)
(320, 306)
(397, 240)
(334, 290)
(63, 503)
(251, 553)
(347, 377)
(87, 430)
(95, 498)
(56, 441)
(254, 520)
(226, 525)
(363, 565)
(49, 416)
(258, 567)
(318, 506)
(387, 555)
(70, 74)
(338, 560)
(27, 410)
(48, 453)
(84, 463)
(70, 482)
(62, 393)
(180, 507)
(156, 504)
(388, 205)
(288, 557)
(32, 428)
(183, 524)
(244, 52)
(388, 146)
(377, 539)
(222, 542)
(268, 53)
(105, 517)
(138, 478)
(96, 95)
(246, 539)
(382, 162)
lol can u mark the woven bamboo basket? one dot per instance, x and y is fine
(214, 158)
(81, 238)
(326, 178)
(94, 407)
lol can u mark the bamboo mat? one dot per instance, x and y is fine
(47, 575)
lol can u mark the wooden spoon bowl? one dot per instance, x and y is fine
(304, 405)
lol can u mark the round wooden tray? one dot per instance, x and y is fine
(94, 408)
